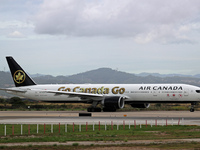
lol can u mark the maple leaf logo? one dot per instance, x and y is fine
(19, 76)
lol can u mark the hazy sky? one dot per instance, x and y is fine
(64, 37)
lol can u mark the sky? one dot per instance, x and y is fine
(65, 37)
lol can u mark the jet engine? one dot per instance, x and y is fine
(144, 105)
(112, 103)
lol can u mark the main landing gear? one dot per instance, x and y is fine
(109, 109)
(192, 106)
(93, 108)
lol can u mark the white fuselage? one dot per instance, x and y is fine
(150, 93)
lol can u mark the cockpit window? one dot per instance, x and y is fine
(198, 91)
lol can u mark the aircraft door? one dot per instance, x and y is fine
(155, 93)
(186, 92)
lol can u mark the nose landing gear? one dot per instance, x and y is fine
(192, 106)
(191, 109)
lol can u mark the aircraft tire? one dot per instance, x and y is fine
(109, 109)
(96, 109)
(89, 109)
(191, 109)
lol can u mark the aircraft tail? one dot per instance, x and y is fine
(20, 77)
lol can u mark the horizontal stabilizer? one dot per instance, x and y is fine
(14, 90)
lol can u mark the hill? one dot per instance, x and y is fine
(108, 76)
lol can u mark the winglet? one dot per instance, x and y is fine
(20, 77)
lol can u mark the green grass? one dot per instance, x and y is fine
(149, 133)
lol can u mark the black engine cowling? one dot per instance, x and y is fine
(111, 103)
(144, 105)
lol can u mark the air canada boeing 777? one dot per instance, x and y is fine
(110, 96)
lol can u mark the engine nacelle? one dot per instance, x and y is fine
(144, 105)
(113, 102)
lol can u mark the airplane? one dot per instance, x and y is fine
(110, 96)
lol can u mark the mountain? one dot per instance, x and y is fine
(109, 76)
(144, 74)
(103, 75)
(5, 79)
(106, 76)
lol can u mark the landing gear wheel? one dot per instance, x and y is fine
(89, 110)
(109, 109)
(191, 109)
(96, 109)
(192, 106)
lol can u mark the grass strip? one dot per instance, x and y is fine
(110, 134)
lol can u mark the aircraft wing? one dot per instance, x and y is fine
(77, 94)
(81, 95)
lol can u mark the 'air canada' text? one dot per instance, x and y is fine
(161, 88)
